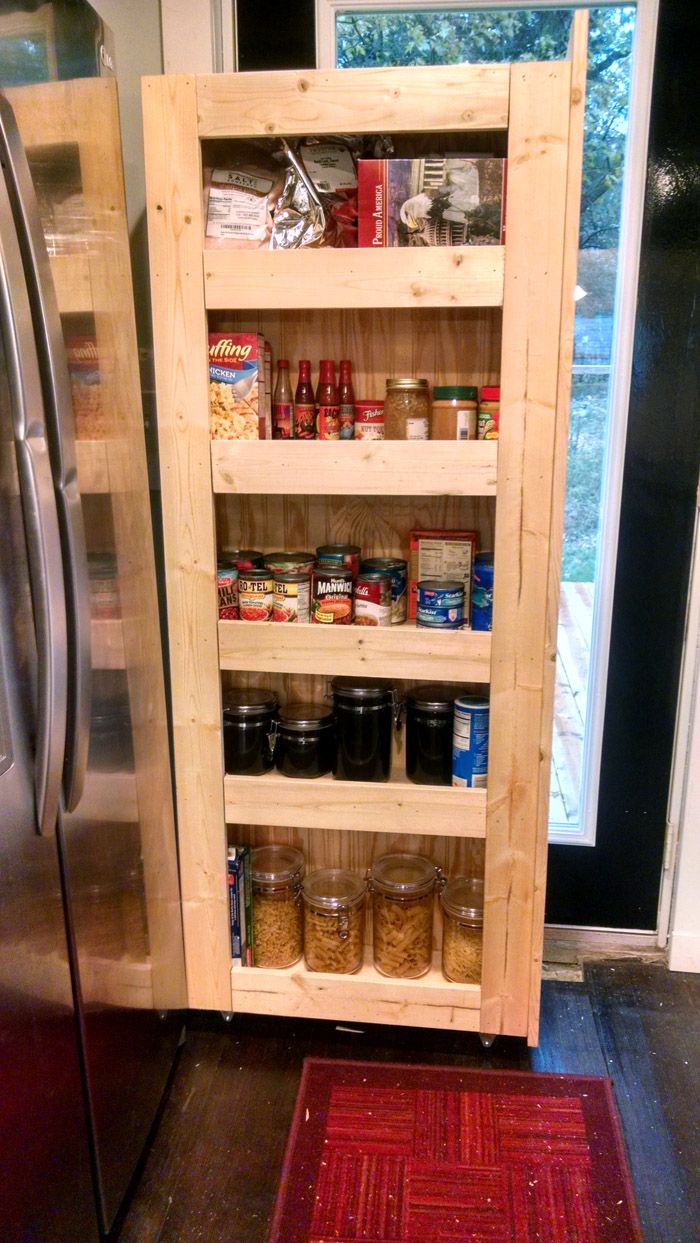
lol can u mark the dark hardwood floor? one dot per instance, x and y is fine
(212, 1169)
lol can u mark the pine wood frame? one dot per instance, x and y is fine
(532, 277)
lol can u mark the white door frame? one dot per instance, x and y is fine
(199, 36)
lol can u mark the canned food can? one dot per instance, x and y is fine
(369, 420)
(398, 570)
(440, 603)
(243, 558)
(470, 743)
(227, 591)
(284, 562)
(292, 597)
(331, 595)
(373, 598)
(255, 595)
(340, 554)
(482, 592)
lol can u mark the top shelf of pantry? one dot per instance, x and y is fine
(357, 101)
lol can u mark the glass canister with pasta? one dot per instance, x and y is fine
(463, 919)
(278, 872)
(403, 888)
(334, 910)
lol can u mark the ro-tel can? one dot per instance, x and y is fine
(482, 592)
(292, 597)
(227, 589)
(398, 570)
(440, 603)
(470, 742)
(369, 420)
(489, 413)
(255, 595)
(340, 554)
(373, 598)
(331, 595)
(281, 562)
(244, 558)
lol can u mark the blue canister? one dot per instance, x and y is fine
(482, 592)
(470, 743)
(440, 603)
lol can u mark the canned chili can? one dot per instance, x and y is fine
(331, 595)
(470, 742)
(369, 420)
(282, 562)
(255, 595)
(440, 603)
(372, 594)
(292, 597)
(244, 558)
(398, 570)
(340, 554)
(482, 591)
(227, 590)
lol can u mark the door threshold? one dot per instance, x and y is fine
(569, 944)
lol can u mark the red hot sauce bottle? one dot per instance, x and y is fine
(346, 401)
(304, 404)
(327, 409)
(282, 404)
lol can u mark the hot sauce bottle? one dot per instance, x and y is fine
(327, 408)
(282, 405)
(346, 401)
(304, 404)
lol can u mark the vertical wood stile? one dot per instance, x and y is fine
(516, 827)
(175, 230)
(578, 54)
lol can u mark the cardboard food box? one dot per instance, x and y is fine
(236, 386)
(441, 554)
(437, 201)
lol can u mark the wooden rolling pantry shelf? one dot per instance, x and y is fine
(450, 314)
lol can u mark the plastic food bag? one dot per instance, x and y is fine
(242, 183)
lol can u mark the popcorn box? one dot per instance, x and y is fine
(437, 201)
(236, 386)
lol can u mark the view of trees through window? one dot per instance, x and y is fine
(439, 37)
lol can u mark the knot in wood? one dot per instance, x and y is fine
(303, 84)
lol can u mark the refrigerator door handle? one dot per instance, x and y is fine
(40, 521)
(58, 408)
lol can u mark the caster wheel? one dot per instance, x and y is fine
(486, 1039)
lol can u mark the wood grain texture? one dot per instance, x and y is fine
(516, 826)
(578, 52)
(180, 338)
(71, 278)
(93, 467)
(440, 276)
(357, 101)
(356, 467)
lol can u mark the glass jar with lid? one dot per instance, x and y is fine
(407, 409)
(403, 888)
(334, 910)
(463, 920)
(277, 873)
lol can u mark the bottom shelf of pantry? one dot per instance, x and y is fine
(367, 997)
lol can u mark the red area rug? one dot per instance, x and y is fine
(411, 1154)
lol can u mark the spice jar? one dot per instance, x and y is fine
(463, 919)
(305, 738)
(334, 916)
(248, 733)
(454, 412)
(407, 410)
(364, 710)
(402, 889)
(277, 873)
(429, 724)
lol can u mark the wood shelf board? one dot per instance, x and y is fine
(427, 276)
(368, 997)
(355, 467)
(107, 643)
(358, 101)
(93, 466)
(71, 278)
(405, 651)
(368, 806)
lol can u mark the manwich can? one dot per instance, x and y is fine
(340, 554)
(331, 595)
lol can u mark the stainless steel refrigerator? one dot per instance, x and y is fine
(92, 984)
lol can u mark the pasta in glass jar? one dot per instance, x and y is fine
(463, 919)
(403, 888)
(277, 915)
(334, 910)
